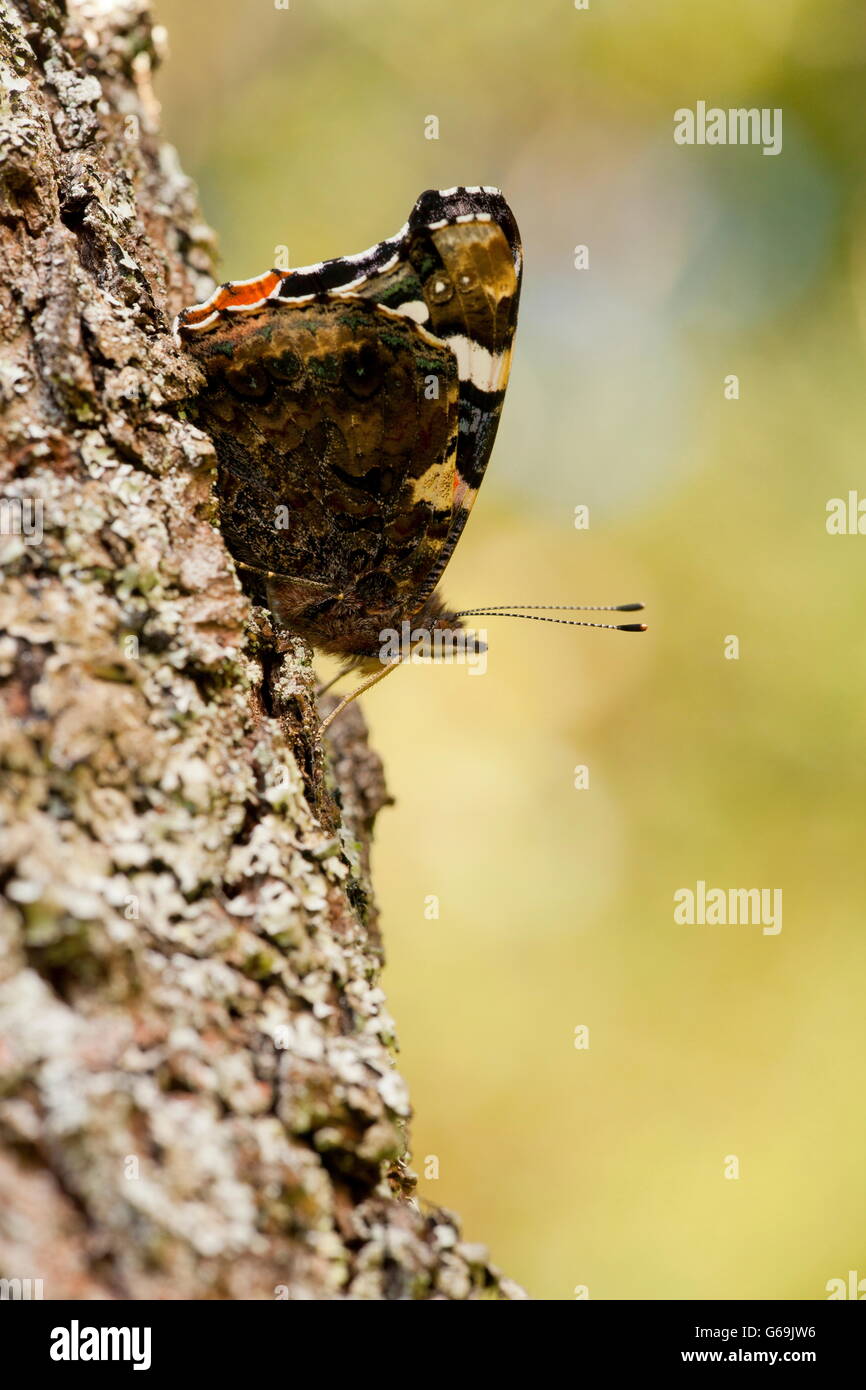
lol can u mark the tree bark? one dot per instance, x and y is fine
(197, 1091)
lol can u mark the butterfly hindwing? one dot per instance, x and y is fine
(335, 467)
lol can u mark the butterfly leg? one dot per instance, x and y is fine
(359, 690)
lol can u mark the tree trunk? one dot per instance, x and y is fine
(197, 1093)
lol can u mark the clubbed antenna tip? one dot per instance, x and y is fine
(529, 611)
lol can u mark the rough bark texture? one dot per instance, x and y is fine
(197, 1093)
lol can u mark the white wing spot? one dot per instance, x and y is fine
(477, 364)
(413, 309)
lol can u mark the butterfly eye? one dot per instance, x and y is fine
(284, 368)
(465, 281)
(362, 371)
(250, 381)
(439, 289)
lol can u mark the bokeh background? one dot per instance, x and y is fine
(605, 1167)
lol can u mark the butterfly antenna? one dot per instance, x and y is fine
(530, 612)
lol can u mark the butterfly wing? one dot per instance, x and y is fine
(336, 465)
(460, 275)
(353, 406)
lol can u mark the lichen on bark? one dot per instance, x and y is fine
(198, 1096)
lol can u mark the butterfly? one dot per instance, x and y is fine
(353, 405)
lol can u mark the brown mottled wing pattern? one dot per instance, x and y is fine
(353, 407)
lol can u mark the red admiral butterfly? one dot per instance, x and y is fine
(353, 406)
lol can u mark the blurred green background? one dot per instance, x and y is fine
(605, 1167)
